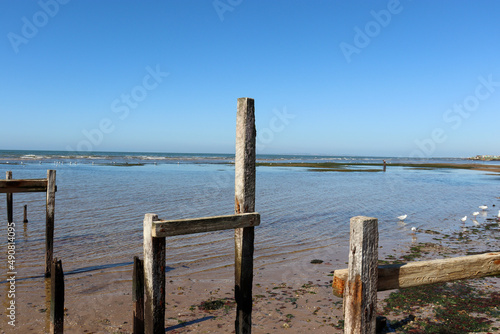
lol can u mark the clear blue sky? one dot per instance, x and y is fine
(395, 78)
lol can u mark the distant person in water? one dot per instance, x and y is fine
(385, 165)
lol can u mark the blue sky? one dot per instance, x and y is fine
(381, 78)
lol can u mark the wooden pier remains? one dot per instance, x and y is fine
(48, 185)
(57, 298)
(25, 215)
(360, 297)
(243, 222)
(10, 218)
(138, 296)
(359, 283)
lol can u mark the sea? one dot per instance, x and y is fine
(102, 198)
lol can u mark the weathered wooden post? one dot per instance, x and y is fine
(57, 298)
(25, 220)
(360, 297)
(8, 176)
(244, 203)
(138, 296)
(154, 279)
(49, 220)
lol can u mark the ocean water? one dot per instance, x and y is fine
(102, 199)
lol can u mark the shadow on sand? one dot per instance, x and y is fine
(185, 324)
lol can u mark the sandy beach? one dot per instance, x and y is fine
(285, 298)
(292, 297)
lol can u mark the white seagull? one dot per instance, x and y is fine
(483, 207)
(414, 229)
(475, 213)
(463, 219)
(498, 214)
(403, 217)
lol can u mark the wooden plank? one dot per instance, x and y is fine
(168, 228)
(23, 186)
(154, 279)
(244, 203)
(138, 296)
(49, 220)
(8, 176)
(57, 298)
(360, 301)
(339, 280)
(398, 276)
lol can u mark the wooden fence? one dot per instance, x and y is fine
(48, 185)
(53, 267)
(243, 222)
(359, 283)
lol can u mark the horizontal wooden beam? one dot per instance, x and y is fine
(23, 186)
(168, 228)
(396, 276)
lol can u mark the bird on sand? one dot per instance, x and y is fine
(483, 207)
(403, 217)
(463, 219)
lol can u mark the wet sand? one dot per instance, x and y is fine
(291, 295)
(294, 297)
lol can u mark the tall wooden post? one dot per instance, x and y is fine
(57, 298)
(49, 220)
(244, 203)
(138, 296)
(8, 176)
(154, 279)
(360, 297)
